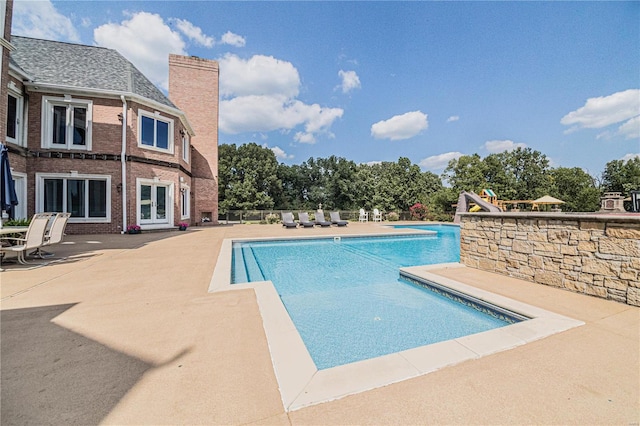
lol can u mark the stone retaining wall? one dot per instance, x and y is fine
(593, 254)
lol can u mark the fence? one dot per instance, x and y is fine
(242, 216)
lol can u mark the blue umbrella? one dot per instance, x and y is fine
(8, 197)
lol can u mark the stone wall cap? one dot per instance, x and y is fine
(588, 217)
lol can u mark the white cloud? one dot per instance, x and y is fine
(146, 40)
(373, 163)
(279, 153)
(400, 127)
(501, 146)
(453, 118)
(259, 75)
(630, 129)
(40, 19)
(350, 81)
(439, 162)
(266, 113)
(630, 157)
(303, 137)
(193, 32)
(232, 39)
(259, 95)
(606, 110)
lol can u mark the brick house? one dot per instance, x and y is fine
(89, 134)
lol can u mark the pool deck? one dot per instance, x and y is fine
(122, 330)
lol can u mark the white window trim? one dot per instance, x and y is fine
(170, 204)
(13, 91)
(48, 102)
(40, 177)
(186, 143)
(155, 116)
(185, 194)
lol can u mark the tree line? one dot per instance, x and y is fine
(250, 178)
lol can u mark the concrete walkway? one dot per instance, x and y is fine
(122, 330)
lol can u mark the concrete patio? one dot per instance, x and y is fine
(120, 329)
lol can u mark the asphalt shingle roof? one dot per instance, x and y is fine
(81, 66)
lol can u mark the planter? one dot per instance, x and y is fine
(183, 228)
(133, 231)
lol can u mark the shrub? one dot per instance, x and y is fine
(393, 217)
(418, 211)
(272, 218)
(17, 222)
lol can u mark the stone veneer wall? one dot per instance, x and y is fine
(592, 254)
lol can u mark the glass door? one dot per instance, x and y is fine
(153, 200)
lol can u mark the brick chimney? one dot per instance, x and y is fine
(193, 87)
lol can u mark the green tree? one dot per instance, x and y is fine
(394, 186)
(621, 176)
(520, 174)
(339, 184)
(576, 188)
(528, 173)
(441, 203)
(465, 173)
(247, 177)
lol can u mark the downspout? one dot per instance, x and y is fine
(123, 164)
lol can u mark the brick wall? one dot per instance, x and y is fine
(4, 72)
(597, 255)
(106, 139)
(193, 87)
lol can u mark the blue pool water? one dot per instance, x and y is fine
(347, 300)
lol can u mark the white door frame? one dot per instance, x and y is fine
(155, 223)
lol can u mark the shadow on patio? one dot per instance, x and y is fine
(51, 375)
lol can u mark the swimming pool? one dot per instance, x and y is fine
(300, 381)
(347, 299)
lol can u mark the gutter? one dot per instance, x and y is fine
(123, 163)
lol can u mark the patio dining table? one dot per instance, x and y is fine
(13, 230)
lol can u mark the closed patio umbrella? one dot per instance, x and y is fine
(8, 196)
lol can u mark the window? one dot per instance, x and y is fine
(66, 123)
(155, 132)
(185, 202)
(185, 147)
(14, 118)
(86, 197)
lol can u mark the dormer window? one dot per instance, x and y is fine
(155, 132)
(66, 123)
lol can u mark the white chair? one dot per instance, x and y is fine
(55, 233)
(33, 239)
(377, 216)
(364, 216)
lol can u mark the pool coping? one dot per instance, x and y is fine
(301, 384)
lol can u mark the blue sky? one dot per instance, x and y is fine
(375, 81)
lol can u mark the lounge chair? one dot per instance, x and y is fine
(320, 220)
(335, 219)
(303, 219)
(364, 216)
(33, 239)
(287, 220)
(377, 216)
(54, 234)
